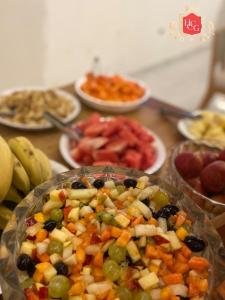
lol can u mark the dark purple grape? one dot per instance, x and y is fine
(77, 185)
(194, 243)
(129, 182)
(23, 261)
(98, 183)
(167, 211)
(50, 225)
(61, 268)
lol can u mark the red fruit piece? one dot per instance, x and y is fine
(133, 159)
(117, 145)
(222, 155)
(43, 293)
(160, 240)
(197, 185)
(126, 135)
(88, 144)
(105, 155)
(188, 164)
(92, 120)
(213, 177)
(30, 294)
(208, 157)
(95, 130)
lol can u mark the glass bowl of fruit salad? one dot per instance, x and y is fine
(110, 233)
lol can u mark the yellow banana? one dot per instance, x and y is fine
(5, 215)
(25, 153)
(6, 168)
(20, 178)
(13, 195)
(45, 164)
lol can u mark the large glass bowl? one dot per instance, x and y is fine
(211, 207)
(14, 233)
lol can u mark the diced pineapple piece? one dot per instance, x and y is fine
(122, 220)
(86, 271)
(181, 233)
(27, 248)
(85, 210)
(39, 217)
(110, 184)
(156, 262)
(108, 203)
(133, 252)
(175, 243)
(142, 241)
(144, 272)
(145, 230)
(114, 193)
(76, 242)
(93, 203)
(54, 195)
(41, 267)
(144, 209)
(54, 258)
(49, 273)
(58, 235)
(148, 281)
(124, 195)
(142, 182)
(133, 211)
(73, 215)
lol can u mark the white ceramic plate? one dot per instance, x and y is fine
(183, 126)
(111, 106)
(68, 119)
(64, 148)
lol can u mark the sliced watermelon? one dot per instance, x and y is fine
(95, 130)
(107, 155)
(116, 145)
(133, 159)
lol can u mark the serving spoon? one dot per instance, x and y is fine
(74, 134)
(180, 113)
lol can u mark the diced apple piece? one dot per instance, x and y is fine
(49, 273)
(70, 261)
(73, 215)
(85, 210)
(179, 290)
(86, 271)
(73, 203)
(99, 288)
(174, 241)
(144, 209)
(145, 230)
(67, 251)
(148, 281)
(82, 193)
(148, 192)
(144, 272)
(133, 252)
(27, 248)
(76, 242)
(108, 203)
(122, 220)
(67, 232)
(58, 235)
(54, 258)
(49, 205)
(41, 247)
(155, 294)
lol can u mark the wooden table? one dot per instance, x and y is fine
(148, 115)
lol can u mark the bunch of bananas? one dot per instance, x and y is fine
(22, 167)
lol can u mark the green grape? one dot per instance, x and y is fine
(142, 296)
(58, 286)
(107, 218)
(56, 214)
(55, 247)
(124, 294)
(27, 283)
(161, 199)
(117, 253)
(111, 270)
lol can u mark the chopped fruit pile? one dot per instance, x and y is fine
(204, 171)
(112, 88)
(106, 240)
(115, 141)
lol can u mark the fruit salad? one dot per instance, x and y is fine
(98, 239)
(114, 141)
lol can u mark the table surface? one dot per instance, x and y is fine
(148, 115)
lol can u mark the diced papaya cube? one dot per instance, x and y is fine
(124, 238)
(98, 259)
(198, 263)
(38, 276)
(115, 232)
(41, 235)
(77, 288)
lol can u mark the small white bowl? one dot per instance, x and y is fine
(111, 106)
